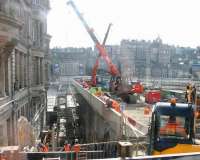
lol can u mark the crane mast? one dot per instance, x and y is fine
(102, 51)
(96, 65)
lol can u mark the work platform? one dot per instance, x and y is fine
(136, 125)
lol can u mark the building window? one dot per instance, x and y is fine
(36, 72)
(36, 2)
(37, 33)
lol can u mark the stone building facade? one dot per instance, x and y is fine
(24, 63)
(146, 59)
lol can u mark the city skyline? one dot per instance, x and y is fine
(175, 21)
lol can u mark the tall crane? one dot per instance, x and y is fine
(102, 51)
(96, 65)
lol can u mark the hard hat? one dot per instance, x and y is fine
(66, 142)
(76, 140)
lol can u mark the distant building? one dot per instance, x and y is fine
(138, 59)
(71, 61)
(146, 59)
(195, 69)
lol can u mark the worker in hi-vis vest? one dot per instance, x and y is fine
(67, 146)
(76, 148)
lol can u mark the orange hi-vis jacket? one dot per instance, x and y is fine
(44, 149)
(76, 148)
(66, 147)
(116, 105)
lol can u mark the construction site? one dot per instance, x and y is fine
(103, 111)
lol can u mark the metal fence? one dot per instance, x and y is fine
(103, 149)
(71, 156)
(60, 155)
(98, 154)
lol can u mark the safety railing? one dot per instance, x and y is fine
(104, 149)
(61, 155)
(13, 153)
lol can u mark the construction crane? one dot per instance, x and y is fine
(115, 86)
(102, 51)
(96, 66)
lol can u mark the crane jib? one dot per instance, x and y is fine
(102, 51)
(89, 30)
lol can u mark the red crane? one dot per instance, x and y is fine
(116, 82)
(102, 51)
(96, 66)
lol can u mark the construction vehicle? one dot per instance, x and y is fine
(172, 128)
(152, 96)
(115, 84)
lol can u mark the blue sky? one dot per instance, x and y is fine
(175, 21)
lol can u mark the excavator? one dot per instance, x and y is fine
(116, 85)
(172, 128)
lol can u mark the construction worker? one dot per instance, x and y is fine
(46, 148)
(188, 94)
(193, 94)
(76, 148)
(197, 104)
(147, 110)
(98, 92)
(67, 146)
(115, 105)
(42, 147)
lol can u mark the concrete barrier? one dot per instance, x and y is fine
(108, 114)
(111, 116)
